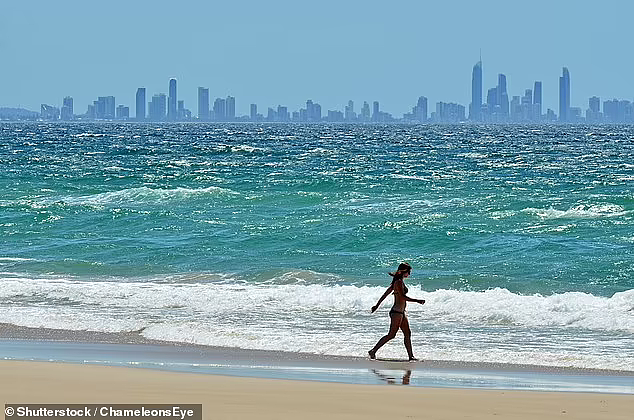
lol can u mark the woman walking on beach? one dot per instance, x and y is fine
(398, 318)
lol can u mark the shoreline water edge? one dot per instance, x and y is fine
(133, 350)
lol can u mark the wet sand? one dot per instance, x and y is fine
(226, 397)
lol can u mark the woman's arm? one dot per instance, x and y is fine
(399, 290)
(386, 294)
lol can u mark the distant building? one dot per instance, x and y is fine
(420, 110)
(67, 112)
(271, 115)
(100, 108)
(618, 111)
(349, 114)
(564, 96)
(316, 112)
(105, 108)
(231, 108)
(253, 114)
(91, 112)
(203, 104)
(376, 113)
(593, 113)
(516, 109)
(537, 101)
(180, 111)
(140, 104)
(365, 112)
(282, 114)
(594, 104)
(48, 112)
(110, 108)
(475, 108)
(220, 109)
(492, 104)
(502, 97)
(172, 112)
(449, 112)
(335, 116)
(158, 107)
(123, 112)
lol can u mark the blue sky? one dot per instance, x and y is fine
(284, 52)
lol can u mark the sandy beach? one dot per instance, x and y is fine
(225, 397)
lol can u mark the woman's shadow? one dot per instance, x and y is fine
(391, 380)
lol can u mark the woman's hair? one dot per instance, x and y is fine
(402, 269)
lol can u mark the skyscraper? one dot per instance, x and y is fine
(316, 112)
(123, 112)
(365, 112)
(110, 107)
(67, 109)
(203, 104)
(231, 108)
(564, 96)
(105, 108)
(475, 109)
(537, 101)
(593, 113)
(421, 109)
(172, 101)
(220, 109)
(157, 107)
(502, 97)
(309, 110)
(140, 104)
(254, 112)
(375, 111)
(349, 114)
(594, 104)
(282, 113)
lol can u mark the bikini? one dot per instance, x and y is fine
(394, 311)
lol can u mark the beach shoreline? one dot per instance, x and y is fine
(133, 350)
(225, 397)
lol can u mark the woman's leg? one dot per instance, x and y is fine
(395, 323)
(408, 337)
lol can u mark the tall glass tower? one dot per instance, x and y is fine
(140, 104)
(564, 96)
(172, 100)
(502, 96)
(537, 100)
(475, 110)
(203, 104)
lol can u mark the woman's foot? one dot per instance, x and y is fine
(413, 359)
(372, 354)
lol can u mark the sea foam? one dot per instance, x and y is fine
(167, 300)
(581, 211)
(144, 195)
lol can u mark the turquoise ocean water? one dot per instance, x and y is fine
(280, 236)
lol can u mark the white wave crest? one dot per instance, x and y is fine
(295, 293)
(291, 314)
(571, 309)
(145, 195)
(581, 211)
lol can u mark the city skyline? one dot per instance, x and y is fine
(279, 53)
(527, 108)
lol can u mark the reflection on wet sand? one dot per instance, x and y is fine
(392, 380)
